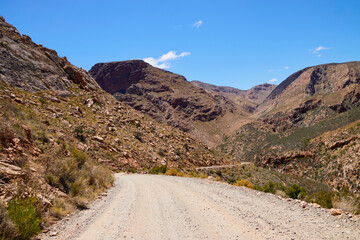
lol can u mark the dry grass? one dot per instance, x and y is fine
(244, 183)
(346, 203)
(61, 207)
(172, 172)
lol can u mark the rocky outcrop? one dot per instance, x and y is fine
(114, 77)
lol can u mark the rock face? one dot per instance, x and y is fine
(33, 67)
(308, 126)
(165, 96)
(316, 82)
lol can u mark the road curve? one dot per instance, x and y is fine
(162, 207)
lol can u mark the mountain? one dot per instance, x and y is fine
(60, 133)
(247, 100)
(165, 96)
(204, 112)
(307, 126)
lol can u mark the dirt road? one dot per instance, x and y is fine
(162, 207)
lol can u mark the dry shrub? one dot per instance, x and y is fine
(8, 229)
(7, 134)
(172, 172)
(61, 207)
(244, 183)
(281, 193)
(80, 202)
(346, 203)
(100, 177)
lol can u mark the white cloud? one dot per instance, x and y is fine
(273, 80)
(163, 60)
(286, 67)
(270, 70)
(318, 49)
(197, 24)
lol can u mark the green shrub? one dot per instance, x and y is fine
(80, 157)
(158, 169)
(76, 188)
(42, 137)
(51, 180)
(24, 214)
(161, 152)
(79, 133)
(323, 199)
(8, 229)
(178, 151)
(270, 187)
(231, 180)
(43, 101)
(295, 192)
(138, 136)
(219, 173)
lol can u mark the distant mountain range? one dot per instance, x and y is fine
(282, 126)
(206, 111)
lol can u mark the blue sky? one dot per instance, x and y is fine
(238, 43)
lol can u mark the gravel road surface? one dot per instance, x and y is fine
(163, 207)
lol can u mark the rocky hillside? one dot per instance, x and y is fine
(60, 133)
(308, 126)
(246, 100)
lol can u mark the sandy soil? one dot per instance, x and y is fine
(162, 207)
